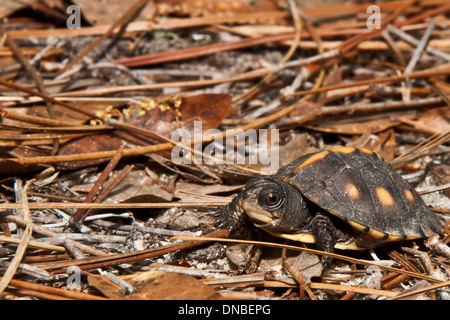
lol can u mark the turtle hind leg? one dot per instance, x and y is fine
(323, 230)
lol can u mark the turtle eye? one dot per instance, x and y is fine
(271, 200)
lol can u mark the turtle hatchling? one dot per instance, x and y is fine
(344, 198)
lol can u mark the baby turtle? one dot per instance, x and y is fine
(344, 198)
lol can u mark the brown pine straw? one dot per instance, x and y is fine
(121, 22)
(93, 195)
(47, 98)
(255, 90)
(49, 292)
(130, 257)
(419, 74)
(78, 205)
(153, 148)
(313, 251)
(420, 291)
(23, 244)
(254, 124)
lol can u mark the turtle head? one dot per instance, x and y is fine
(274, 205)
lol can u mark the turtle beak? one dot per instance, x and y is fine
(258, 215)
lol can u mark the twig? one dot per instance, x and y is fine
(47, 98)
(313, 251)
(48, 233)
(78, 205)
(435, 244)
(119, 22)
(422, 148)
(29, 270)
(180, 23)
(80, 214)
(32, 244)
(419, 74)
(414, 41)
(393, 46)
(154, 148)
(28, 67)
(56, 292)
(433, 189)
(199, 51)
(252, 92)
(352, 42)
(196, 83)
(364, 290)
(26, 237)
(424, 15)
(105, 191)
(423, 42)
(360, 109)
(142, 26)
(35, 120)
(318, 40)
(92, 238)
(130, 257)
(138, 227)
(419, 291)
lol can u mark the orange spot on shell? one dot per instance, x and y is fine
(343, 150)
(384, 197)
(409, 195)
(314, 158)
(352, 191)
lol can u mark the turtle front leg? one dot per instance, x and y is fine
(323, 231)
(231, 216)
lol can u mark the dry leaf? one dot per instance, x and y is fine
(160, 285)
(306, 263)
(138, 187)
(355, 124)
(156, 285)
(205, 7)
(383, 143)
(437, 118)
(305, 107)
(10, 6)
(99, 12)
(105, 286)
(183, 186)
(210, 109)
(294, 149)
(93, 143)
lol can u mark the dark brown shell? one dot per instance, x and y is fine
(363, 190)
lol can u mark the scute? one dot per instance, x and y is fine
(359, 187)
